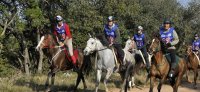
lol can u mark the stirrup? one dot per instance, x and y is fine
(171, 73)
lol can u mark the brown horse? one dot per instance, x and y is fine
(59, 61)
(192, 64)
(160, 67)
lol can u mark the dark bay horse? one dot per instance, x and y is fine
(192, 64)
(160, 66)
(59, 61)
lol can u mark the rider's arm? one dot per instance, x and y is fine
(176, 39)
(67, 33)
(145, 42)
(117, 39)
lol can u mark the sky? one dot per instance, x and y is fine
(184, 2)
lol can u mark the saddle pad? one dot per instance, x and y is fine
(68, 55)
(76, 53)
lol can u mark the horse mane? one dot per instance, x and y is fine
(102, 39)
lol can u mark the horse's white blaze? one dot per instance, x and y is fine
(40, 42)
(152, 42)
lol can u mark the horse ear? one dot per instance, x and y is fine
(129, 37)
(89, 35)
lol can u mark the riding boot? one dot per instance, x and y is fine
(75, 68)
(173, 63)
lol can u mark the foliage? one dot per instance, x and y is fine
(87, 16)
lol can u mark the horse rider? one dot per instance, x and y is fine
(64, 38)
(169, 39)
(140, 40)
(196, 45)
(112, 35)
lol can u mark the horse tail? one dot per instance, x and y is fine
(87, 64)
(138, 62)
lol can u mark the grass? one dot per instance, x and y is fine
(63, 82)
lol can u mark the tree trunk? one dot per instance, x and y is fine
(26, 60)
(41, 55)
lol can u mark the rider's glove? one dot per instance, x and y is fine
(168, 45)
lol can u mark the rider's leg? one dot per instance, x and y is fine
(173, 62)
(144, 52)
(70, 47)
(120, 52)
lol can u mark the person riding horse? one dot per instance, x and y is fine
(64, 38)
(112, 35)
(196, 45)
(169, 38)
(140, 40)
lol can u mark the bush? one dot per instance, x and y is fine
(5, 68)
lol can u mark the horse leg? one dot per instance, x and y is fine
(48, 88)
(125, 81)
(187, 77)
(99, 73)
(108, 74)
(151, 83)
(160, 83)
(132, 81)
(178, 80)
(195, 78)
(77, 80)
(83, 80)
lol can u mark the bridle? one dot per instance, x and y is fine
(157, 49)
(95, 47)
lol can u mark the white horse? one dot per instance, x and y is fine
(106, 62)
(131, 46)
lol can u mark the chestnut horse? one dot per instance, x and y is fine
(192, 64)
(160, 66)
(60, 61)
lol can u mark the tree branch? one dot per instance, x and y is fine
(8, 23)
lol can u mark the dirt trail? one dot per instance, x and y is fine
(185, 87)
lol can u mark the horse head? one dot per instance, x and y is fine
(46, 41)
(155, 45)
(130, 44)
(189, 50)
(91, 46)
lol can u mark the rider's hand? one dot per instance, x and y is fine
(61, 44)
(168, 44)
(110, 45)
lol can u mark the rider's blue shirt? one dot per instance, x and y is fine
(167, 35)
(139, 39)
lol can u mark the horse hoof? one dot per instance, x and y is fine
(48, 90)
(107, 90)
(195, 87)
(189, 81)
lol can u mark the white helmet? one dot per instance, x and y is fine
(59, 18)
(140, 28)
(110, 18)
